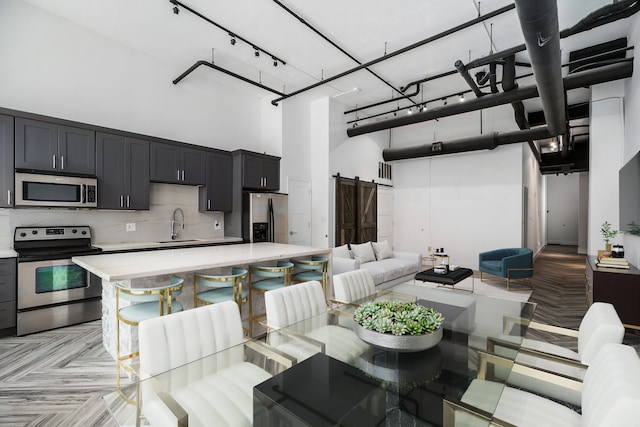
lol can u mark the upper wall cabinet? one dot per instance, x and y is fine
(176, 164)
(6, 162)
(48, 147)
(217, 194)
(123, 172)
(259, 171)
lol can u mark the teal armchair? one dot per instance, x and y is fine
(511, 264)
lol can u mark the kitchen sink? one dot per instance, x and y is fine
(179, 241)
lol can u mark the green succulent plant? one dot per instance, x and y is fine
(398, 317)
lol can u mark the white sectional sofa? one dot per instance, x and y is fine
(387, 267)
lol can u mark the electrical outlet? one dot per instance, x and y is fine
(131, 226)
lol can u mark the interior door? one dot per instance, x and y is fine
(367, 226)
(299, 212)
(346, 214)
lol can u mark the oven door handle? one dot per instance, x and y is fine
(82, 193)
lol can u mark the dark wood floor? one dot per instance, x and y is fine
(58, 378)
(559, 291)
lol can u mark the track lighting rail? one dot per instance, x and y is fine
(401, 51)
(227, 72)
(331, 42)
(232, 34)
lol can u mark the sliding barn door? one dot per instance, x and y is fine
(367, 224)
(346, 213)
(356, 211)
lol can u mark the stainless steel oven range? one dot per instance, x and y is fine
(52, 290)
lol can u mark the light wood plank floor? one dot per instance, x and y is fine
(58, 378)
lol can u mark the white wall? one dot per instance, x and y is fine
(583, 214)
(532, 179)
(56, 68)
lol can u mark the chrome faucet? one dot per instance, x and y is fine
(173, 222)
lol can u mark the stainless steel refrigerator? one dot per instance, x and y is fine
(265, 217)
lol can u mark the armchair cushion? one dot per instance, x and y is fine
(499, 261)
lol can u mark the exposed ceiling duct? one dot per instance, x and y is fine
(585, 78)
(539, 23)
(487, 141)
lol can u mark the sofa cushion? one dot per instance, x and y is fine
(341, 252)
(377, 271)
(382, 250)
(363, 252)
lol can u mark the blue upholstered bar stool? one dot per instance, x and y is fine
(312, 269)
(147, 303)
(265, 278)
(212, 289)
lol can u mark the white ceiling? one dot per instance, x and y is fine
(364, 28)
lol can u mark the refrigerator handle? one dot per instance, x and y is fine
(272, 222)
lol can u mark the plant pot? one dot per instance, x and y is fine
(400, 343)
(607, 247)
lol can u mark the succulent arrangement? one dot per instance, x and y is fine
(398, 317)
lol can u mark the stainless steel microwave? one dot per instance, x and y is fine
(39, 190)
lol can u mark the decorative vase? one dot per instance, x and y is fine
(400, 343)
(607, 247)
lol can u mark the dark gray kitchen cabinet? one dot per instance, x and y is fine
(123, 172)
(48, 147)
(259, 171)
(7, 293)
(7, 162)
(177, 164)
(217, 194)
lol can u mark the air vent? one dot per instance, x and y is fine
(384, 170)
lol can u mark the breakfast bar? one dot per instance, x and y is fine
(146, 269)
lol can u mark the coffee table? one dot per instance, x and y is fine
(447, 279)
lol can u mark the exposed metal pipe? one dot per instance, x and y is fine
(225, 71)
(585, 78)
(539, 22)
(487, 141)
(400, 51)
(467, 78)
(228, 31)
(597, 18)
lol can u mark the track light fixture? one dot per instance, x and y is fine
(234, 37)
(445, 101)
(410, 111)
(424, 107)
(461, 97)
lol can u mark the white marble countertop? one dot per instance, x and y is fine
(113, 247)
(134, 265)
(8, 253)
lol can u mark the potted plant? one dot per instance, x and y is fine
(608, 234)
(398, 325)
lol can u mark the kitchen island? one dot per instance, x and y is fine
(145, 269)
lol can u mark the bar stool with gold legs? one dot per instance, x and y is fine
(211, 289)
(265, 278)
(313, 269)
(147, 303)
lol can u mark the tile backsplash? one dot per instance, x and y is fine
(109, 226)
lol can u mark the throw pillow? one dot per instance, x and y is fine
(363, 252)
(341, 252)
(382, 250)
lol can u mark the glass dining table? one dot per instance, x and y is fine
(329, 384)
